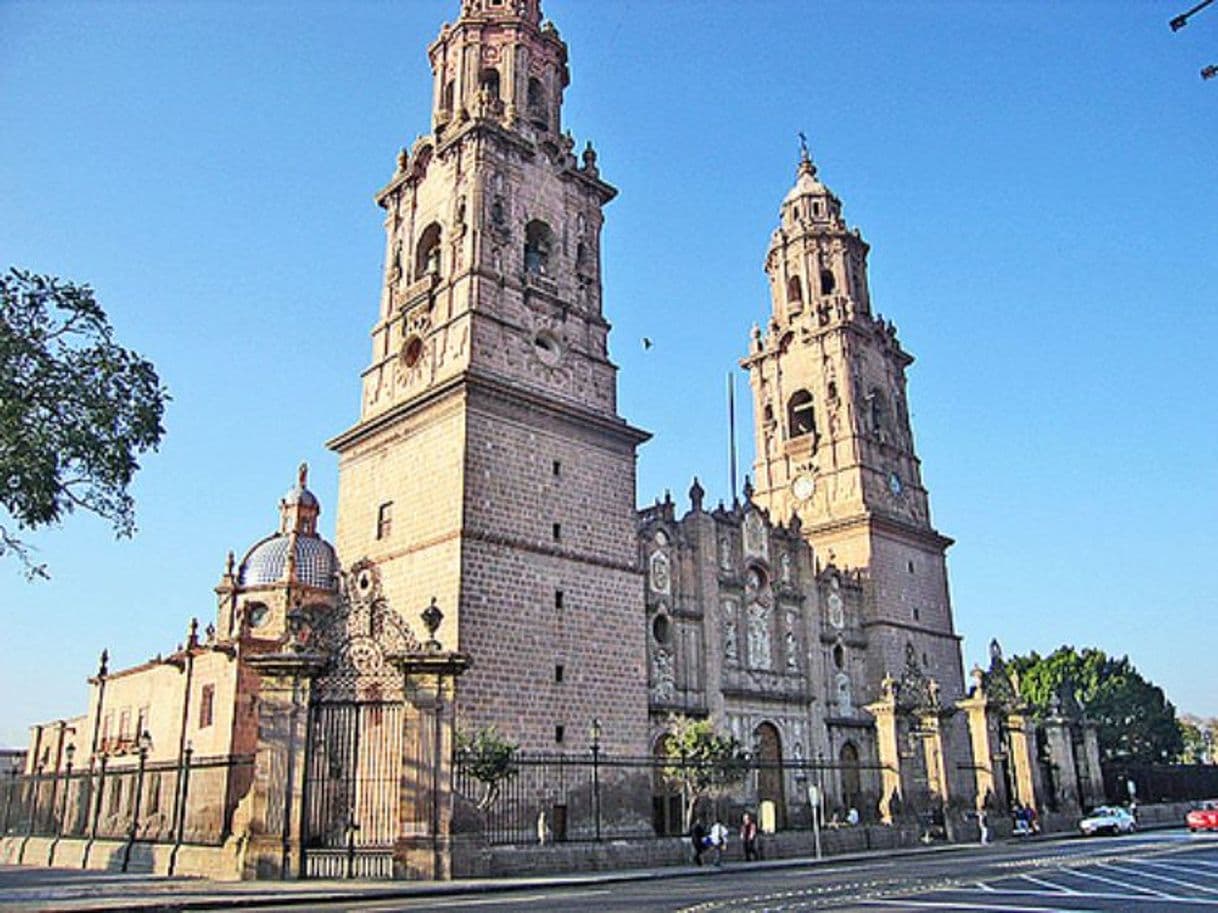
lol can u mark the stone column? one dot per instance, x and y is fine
(424, 845)
(1091, 775)
(885, 712)
(274, 807)
(977, 710)
(937, 779)
(1061, 757)
(1023, 758)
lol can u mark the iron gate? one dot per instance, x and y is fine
(353, 770)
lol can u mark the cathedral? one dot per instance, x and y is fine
(491, 569)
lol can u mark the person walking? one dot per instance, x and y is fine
(984, 825)
(748, 836)
(697, 837)
(718, 842)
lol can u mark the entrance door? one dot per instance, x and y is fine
(769, 771)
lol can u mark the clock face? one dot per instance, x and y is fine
(895, 485)
(258, 614)
(803, 487)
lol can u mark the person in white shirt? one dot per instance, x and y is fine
(718, 841)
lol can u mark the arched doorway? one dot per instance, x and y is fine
(769, 770)
(852, 788)
(667, 807)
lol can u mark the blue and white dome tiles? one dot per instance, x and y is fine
(315, 563)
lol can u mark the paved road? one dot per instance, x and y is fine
(1167, 871)
(1171, 871)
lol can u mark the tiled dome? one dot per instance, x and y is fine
(316, 563)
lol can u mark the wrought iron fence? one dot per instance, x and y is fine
(1160, 782)
(161, 802)
(585, 797)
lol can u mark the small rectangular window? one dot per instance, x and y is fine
(559, 732)
(558, 599)
(141, 721)
(124, 724)
(558, 673)
(557, 468)
(384, 520)
(206, 705)
(557, 531)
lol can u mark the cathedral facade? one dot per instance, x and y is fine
(491, 569)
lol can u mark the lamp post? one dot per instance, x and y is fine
(596, 775)
(69, 753)
(145, 745)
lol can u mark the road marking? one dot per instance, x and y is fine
(1060, 889)
(431, 903)
(1103, 895)
(1187, 884)
(1120, 884)
(971, 906)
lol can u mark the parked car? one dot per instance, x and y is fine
(1203, 818)
(1108, 819)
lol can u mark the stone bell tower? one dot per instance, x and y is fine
(489, 467)
(833, 437)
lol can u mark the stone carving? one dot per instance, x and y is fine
(845, 699)
(784, 567)
(759, 654)
(663, 680)
(731, 649)
(660, 578)
(725, 553)
(837, 613)
(792, 646)
(754, 536)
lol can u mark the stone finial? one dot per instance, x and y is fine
(432, 616)
(696, 494)
(748, 488)
(103, 664)
(590, 160)
(403, 159)
(192, 634)
(229, 563)
(978, 677)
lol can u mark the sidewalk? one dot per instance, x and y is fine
(28, 889)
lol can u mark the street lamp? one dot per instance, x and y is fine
(596, 778)
(1181, 21)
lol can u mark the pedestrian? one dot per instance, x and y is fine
(543, 828)
(718, 842)
(697, 837)
(852, 816)
(983, 824)
(748, 836)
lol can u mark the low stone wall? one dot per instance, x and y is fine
(218, 862)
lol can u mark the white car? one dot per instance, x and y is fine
(1108, 820)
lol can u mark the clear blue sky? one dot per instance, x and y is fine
(1037, 182)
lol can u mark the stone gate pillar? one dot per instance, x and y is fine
(885, 712)
(1091, 775)
(1023, 758)
(976, 708)
(424, 846)
(273, 808)
(1061, 759)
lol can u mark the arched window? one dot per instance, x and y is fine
(581, 256)
(427, 252)
(827, 282)
(769, 769)
(536, 103)
(795, 291)
(801, 419)
(538, 242)
(488, 82)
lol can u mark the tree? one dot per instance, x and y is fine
(488, 758)
(76, 409)
(1135, 720)
(701, 762)
(1197, 735)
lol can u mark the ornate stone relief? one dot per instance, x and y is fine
(660, 577)
(755, 545)
(663, 678)
(759, 647)
(792, 643)
(845, 699)
(731, 649)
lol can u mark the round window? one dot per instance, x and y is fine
(660, 629)
(412, 351)
(549, 349)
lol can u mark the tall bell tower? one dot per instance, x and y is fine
(489, 467)
(833, 437)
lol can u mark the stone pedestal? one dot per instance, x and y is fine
(275, 804)
(885, 712)
(424, 846)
